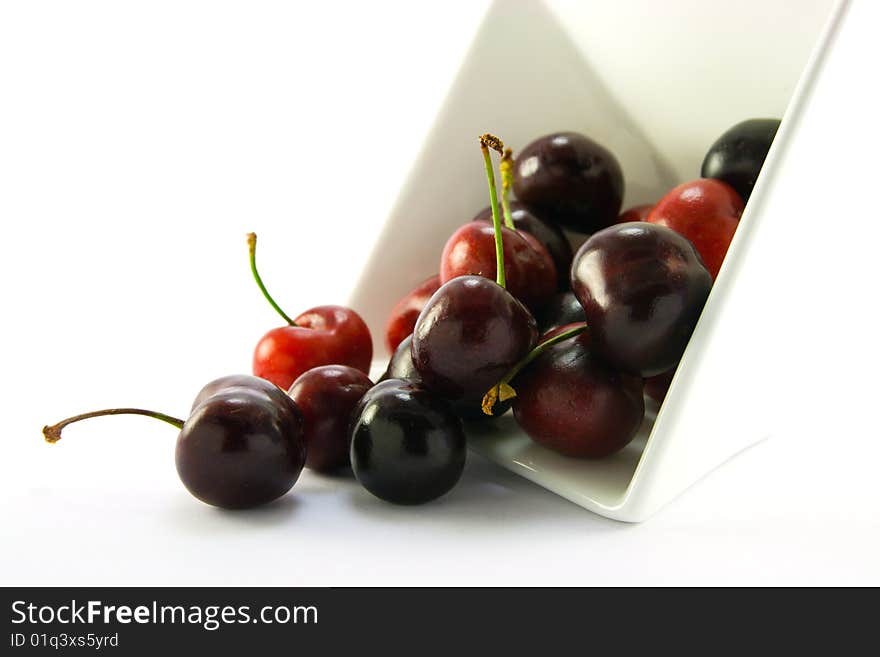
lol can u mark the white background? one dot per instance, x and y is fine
(138, 144)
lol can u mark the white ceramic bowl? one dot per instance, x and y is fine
(656, 83)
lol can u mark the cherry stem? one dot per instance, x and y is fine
(502, 390)
(252, 249)
(506, 184)
(488, 141)
(53, 434)
(541, 348)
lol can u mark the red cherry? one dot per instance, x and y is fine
(324, 335)
(706, 212)
(529, 269)
(403, 316)
(635, 213)
(549, 235)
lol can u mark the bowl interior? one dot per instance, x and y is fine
(656, 83)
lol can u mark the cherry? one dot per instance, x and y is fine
(642, 287)
(530, 273)
(403, 316)
(657, 386)
(550, 237)
(326, 397)
(407, 445)
(324, 335)
(705, 211)
(562, 309)
(472, 330)
(242, 445)
(738, 155)
(571, 180)
(470, 333)
(570, 401)
(401, 365)
(635, 213)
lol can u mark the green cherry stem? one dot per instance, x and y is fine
(488, 141)
(53, 434)
(252, 249)
(506, 185)
(502, 390)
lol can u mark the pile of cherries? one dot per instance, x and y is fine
(570, 341)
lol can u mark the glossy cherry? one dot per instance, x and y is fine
(571, 180)
(470, 333)
(569, 400)
(738, 155)
(529, 269)
(407, 444)
(403, 316)
(550, 237)
(324, 335)
(562, 309)
(635, 213)
(242, 445)
(326, 397)
(706, 212)
(642, 287)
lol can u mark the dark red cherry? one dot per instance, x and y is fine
(469, 334)
(572, 402)
(635, 213)
(530, 272)
(241, 448)
(401, 365)
(325, 335)
(571, 180)
(562, 309)
(326, 397)
(404, 315)
(738, 155)
(242, 445)
(657, 386)
(550, 236)
(407, 445)
(642, 287)
(706, 212)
